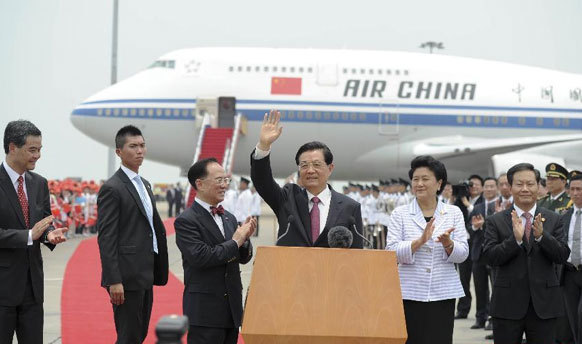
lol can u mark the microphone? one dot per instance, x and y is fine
(289, 220)
(353, 224)
(340, 237)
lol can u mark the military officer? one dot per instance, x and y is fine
(557, 199)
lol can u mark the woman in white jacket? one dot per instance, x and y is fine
(429, 237)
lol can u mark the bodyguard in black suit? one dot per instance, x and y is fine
(466, 267)
(480, 269)
(571, 274)
(212, 248)
(132, 240)
(525, 243)
(25, 223)
(315, 207)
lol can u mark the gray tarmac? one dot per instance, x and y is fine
(55, 264)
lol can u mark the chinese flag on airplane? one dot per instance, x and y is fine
(291, 86)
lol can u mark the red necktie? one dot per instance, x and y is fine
(23, 200)
(314, 219)
(217, 210)
(527, 225)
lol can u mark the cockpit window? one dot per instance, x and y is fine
(164, 64)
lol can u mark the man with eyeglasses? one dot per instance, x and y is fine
(212, 246)
(315, 207)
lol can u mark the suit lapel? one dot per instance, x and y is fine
(417, 216)
(566, 221)
(132, 190)
(8, 188)
(334, 210)
(301, 202)
(227, 225)
(31, 190)
(208, 222)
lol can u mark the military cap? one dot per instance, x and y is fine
(556, 170)
(244, 180)
(575, 174)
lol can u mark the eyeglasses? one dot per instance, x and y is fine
(304, 165)
(221, 180)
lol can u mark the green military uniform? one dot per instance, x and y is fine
(562, 203)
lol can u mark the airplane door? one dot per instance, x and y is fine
(389, 119)
(327, 74)
(226, 112)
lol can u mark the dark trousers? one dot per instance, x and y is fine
(170, 209)
(481, 281)
(573, 300)
(25, 319)
(429, 322)
(257, 229)
(537, 331)
(464, 304)
(132, 318)
(212, 335)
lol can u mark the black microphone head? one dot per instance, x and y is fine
(339, 237)
(290, 218)
(352, 220)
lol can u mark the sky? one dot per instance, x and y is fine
(56, 53)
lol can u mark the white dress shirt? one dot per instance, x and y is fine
(571, 232)
(131, 175)
(216, 217)
(14, 178)
(429, 273)
(244, 203)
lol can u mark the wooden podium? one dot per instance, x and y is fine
(303, 295)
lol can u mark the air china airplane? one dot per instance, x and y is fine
(376, 110)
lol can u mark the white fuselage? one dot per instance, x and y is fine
(375, 110)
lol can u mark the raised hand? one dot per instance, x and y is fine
(445, 237)
(538, 226)
(270, 130)
(244, 231)
(57, 235)
(517, 226)
(41, 226)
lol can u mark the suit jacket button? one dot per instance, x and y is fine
(225, 294)
(428, 270)
(225, 274)
(150, 235)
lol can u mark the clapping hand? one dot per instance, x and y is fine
(477, 221)
(538, 226)
(270, 130)
(517, 226)
(57, 235)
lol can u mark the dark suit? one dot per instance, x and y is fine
(178, 206)
(212, 285)
(466, 267)
(21, 271)
(291, 199)
(127, 254)
(170, 198)
(526, 293)
(571, 279)
(480, 270)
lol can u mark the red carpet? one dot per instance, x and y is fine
(86, 313)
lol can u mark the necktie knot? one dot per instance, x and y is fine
(20, 179)
(315, 200)
(217, 210)
(527, 216)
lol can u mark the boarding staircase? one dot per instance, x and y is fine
(219, 143)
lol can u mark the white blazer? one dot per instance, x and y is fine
(428, 274)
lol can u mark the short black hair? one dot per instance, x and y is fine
(17, 131)
(435, 166)
(524, 166)
(199, 170)
(315, 145)
(543, 182)
(476, 176)
(123, 133)
(489, 178)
